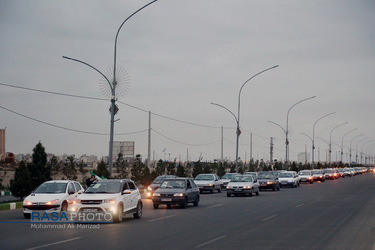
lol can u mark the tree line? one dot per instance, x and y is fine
(28, 176)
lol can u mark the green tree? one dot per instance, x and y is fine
(171, 170)
(122, 165)
(69, 168)
(22, 185)
(102, 170)
(221, 169)
(54, 166)
(38, 169)
(198, 169)
(160, 167)
(181, 171)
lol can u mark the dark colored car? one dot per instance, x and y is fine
(176, 191)
(268, 180)
(156, 184)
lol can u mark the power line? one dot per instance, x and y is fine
(183, 142)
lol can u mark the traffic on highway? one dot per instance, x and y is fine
(333, 213)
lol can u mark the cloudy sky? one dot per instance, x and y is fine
(176, 57)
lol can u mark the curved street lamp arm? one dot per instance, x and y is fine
(76, 60)
(239, 93)
(355, 138)
(307, 136)
(337, 127)
(287, 114)
(226, 110)
(323, 117)
(278, 126)
(118, 31)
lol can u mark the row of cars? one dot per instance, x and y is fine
(121, 196)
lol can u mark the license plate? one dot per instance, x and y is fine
(166, 199)
(90, 210)
(263, 185)
(238, 189)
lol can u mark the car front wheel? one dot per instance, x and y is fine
(196, 202)
(138, 214)
(156, 206)
(117, 217)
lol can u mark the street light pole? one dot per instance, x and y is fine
(287, 130)
(238, 131)
(112, 86)
(313, 137)
(350, 147)
(342, 143)
(330, 140)
(356, 150)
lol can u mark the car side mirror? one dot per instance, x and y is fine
(126, 191)
(80, 192)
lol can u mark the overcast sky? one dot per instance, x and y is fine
(179, 56)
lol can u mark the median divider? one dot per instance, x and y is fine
(11, 205)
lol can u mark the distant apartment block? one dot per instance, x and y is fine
(2, 144)
(126, 148)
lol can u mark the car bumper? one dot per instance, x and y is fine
(168, 200)
(285, 184)
(28, 209)
(267, 186)
(239, 191)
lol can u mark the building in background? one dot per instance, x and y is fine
(126, 148)
(2, 145)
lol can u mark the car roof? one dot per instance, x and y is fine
(114, 180)
(59, 181)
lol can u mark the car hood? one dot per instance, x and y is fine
(203, 182)
(45, 197)
(285, 178)
(170, 190)
(97, 196)
(240, 183)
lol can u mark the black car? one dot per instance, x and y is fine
(268, 180)
(156, 184)
(176, 191)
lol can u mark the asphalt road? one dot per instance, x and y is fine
(336, 214)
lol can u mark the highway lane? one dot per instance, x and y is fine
(335, 214)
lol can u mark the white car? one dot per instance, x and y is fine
(120, 196)
(208, 182)
(243, 184)
(306, 176)
(289, 178)
(226, 178)
(51, 196)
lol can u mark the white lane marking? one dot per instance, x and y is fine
(210, 241)
(55, 243)
(218, 205)
(300, 205)
(162, 218)
(270, 217)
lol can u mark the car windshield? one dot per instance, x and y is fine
(305, 173)
(317, 172)
(204, 178)
(328, 171)
(51, 188)
(265, 176)
(247, 178)
(173, 184)
(228, 176)
(104, 187)
(283, 175)
(159, 179)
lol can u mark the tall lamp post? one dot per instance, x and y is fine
(342, 143)
(286, 131)
(112, 86)
(237, 118)
(313, 138)
(330, 141)
(356, 149)
(350, 147)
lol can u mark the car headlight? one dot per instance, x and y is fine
(26, 202)
(210, 185)
(112, 201)
(156, 194)
(179, 195)
(246, 187)
(149, 188)
(53, 202)
(269, 182)
(228, 187)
